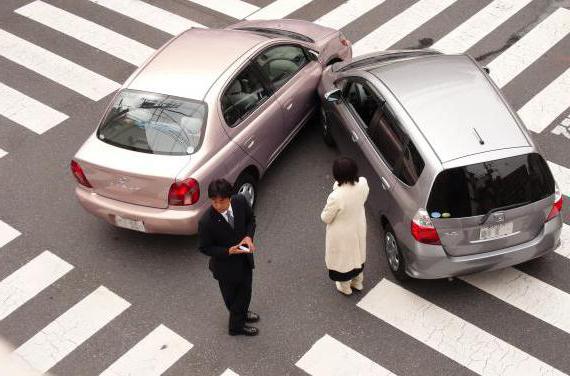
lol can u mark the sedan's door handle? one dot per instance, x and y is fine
(250, 142)
(385, 184)
(354, 137)
(289, 106)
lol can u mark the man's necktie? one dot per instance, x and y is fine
(230, 218)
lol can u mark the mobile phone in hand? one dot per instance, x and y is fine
(244, 248)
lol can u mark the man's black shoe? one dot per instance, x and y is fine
(251, 317)
(246, 331)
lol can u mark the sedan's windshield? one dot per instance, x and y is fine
(154, 123)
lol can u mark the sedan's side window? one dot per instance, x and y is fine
(243, 95)
(280, 63)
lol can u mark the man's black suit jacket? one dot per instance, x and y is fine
(217, 236)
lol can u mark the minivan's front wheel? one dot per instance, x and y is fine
(245, 185)
(394, 256)
(325, 132)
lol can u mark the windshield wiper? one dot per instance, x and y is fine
(506, 207)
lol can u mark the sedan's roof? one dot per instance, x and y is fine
(192, 62)
(453, 104)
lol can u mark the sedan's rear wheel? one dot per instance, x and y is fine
(327, 137)
(394, 256)
(246, 186)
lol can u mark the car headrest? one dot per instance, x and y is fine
(235, 88)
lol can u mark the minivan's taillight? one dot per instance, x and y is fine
(423, 229)
(77, 171)
(186, 192)
(557, 206)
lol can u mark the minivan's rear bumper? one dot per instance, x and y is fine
(431, 261)
(160, 221)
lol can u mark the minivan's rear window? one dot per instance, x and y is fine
(154, 123)
(500, 184)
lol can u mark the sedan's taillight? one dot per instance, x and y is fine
(77, 171)
(423, 230)
(557, 206)
(184, 193)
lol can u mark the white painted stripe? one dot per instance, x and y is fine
(450, 335)
(150, 15)
(347, 13)
(562, 177)
(229, 372)
(538, 113)
(27, 111)
(564, 248)
(329, 357)
(401, 25)
(55, 67)
(278, 9)
(153, 355)
(529, 48)
(479, 25)
(71, 329)
(526, 293)
(7, 233)
(28, 281)
(3, 153)
(233, 8)
(87, 32)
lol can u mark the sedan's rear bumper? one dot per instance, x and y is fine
(431, 261)
(160, 221)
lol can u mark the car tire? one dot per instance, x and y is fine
(394, 257)
(247, 186)
(324, 127)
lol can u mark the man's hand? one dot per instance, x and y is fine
(248, 242)
(236, 251)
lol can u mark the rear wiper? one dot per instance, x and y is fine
(506, 207)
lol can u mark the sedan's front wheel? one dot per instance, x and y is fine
(325, 132)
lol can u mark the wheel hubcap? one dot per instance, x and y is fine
(392, 251)
(248, 191)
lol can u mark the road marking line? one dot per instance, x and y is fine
(564, 248)
(28, 281)
(448, 334)
(7, 233)
(530, 47)
(562, 177)
(55, 67)
(3, 153)
(53, 343)
(27, 111)
(531, 295)
(563, 128)
(538, 113)
(233, 8)
(229, 372)
(401, 25)
(153, 355)
(150, 15)
(330, 357)
(278, 9)
(479, 25)
(87, 32)
(347, 13)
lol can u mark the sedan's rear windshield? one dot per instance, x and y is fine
(500, 184)
(154, 123)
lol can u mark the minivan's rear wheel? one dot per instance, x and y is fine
(325, 127)
(394, 256)
(245, 185)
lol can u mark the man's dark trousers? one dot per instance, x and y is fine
(233, 272)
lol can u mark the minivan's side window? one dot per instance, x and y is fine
(243, 95)
(362, 100)
(280, 63)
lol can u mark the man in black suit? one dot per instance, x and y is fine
(227, 227)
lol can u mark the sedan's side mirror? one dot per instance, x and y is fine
(313, 55)
(333, 96)
(486, 69)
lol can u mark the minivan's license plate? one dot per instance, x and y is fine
(129, 223)
(496, 231)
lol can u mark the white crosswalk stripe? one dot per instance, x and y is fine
(562, 177)
(55, 67)
(461, 341)
(59, 338)
(278, 9)
(7, 233)
(229, 372)
(87, 32)
(347, 13)
(27, 111)
(400, 26)
(3, 153)
(530, 47)
(330, 357)
(479, 25)
(149, 15)
(28, 281)
(234, 8)
(152, 356)
(564, 248)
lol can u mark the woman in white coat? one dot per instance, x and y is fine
(346, 226)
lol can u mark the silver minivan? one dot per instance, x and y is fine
(456, 180)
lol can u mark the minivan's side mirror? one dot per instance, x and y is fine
(334, 95)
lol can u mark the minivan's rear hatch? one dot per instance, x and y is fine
(491, 205)
(142, 144)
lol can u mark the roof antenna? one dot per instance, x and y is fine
(481, 142)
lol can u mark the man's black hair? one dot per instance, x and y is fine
(220, 188)
(345, 170)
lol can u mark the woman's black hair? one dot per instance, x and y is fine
(345, 170)
(220, 188)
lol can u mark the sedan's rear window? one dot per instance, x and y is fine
(500, 184)
(154, 123)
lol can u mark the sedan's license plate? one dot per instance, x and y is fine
(496, 231)
(129, 223)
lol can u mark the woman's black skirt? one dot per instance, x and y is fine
(343, 277)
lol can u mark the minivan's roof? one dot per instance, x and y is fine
(453, 104)
(192, 62)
